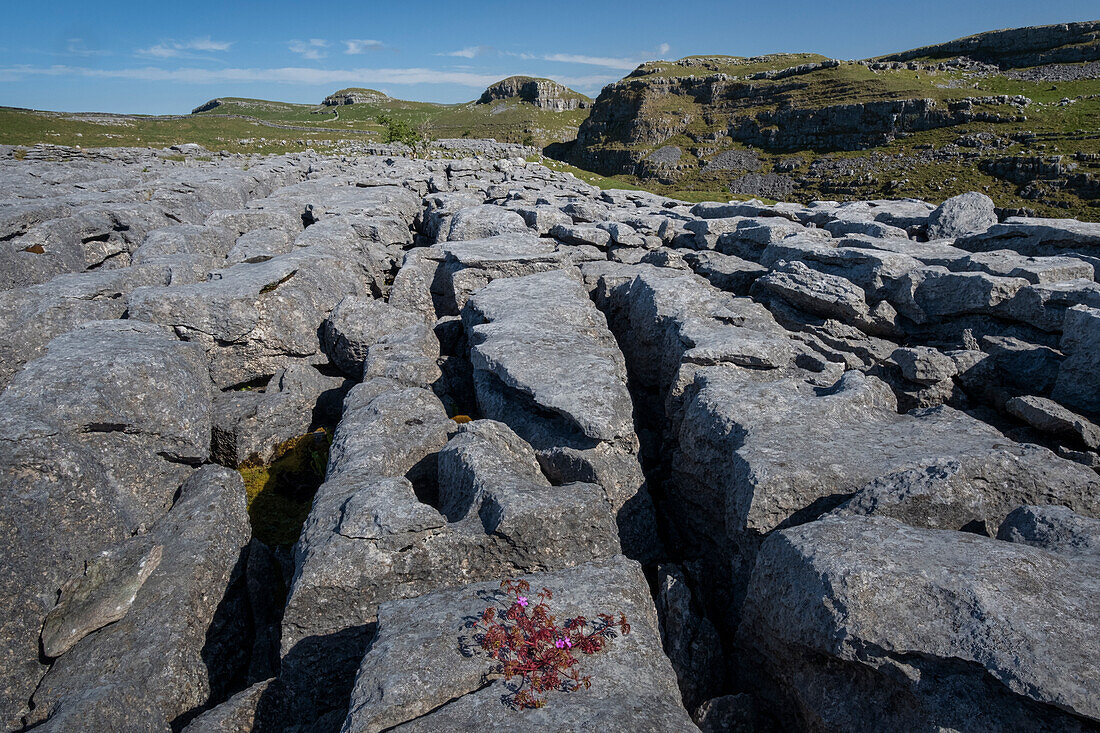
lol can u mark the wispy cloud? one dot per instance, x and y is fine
(469, 52)
(312, 49)
(576, 58)
(78, 47)
(184, 49)
(361, 45)
(286, 75)
(610, 62)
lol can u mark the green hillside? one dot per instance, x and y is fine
(924, 123)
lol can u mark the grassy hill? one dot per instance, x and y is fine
(928, 123)
(240, 124)
(506, 120)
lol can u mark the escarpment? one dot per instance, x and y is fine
(277, 427)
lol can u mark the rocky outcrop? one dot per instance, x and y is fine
(354, 96)
(866, 610)
(1019, 47)
(543, 93)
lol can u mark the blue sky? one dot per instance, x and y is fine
(161, 57)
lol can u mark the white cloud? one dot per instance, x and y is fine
(312, 49)
(576, 58)
(663, 49)
(288, 75)
(178, 49)
(469, 52)
(361, 45)
(77, 47)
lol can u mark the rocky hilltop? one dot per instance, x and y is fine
(543, 93)
(276, 428)
(1012, 113)
(355, 96)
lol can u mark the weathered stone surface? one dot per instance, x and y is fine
(1078, 383)
(1049, 417)
(734, 449)
(163, 654)
(829, 296)
(251, 317)
(363, 333)
(479, 222)
(733, 350)
(869, 611)
(254, 425)
(1036, 237)
(472, 264)
(545, 364)
(690, 639)
(416, 665)
(934, 292)
(924, 364)
(372, 539)
(962, 215)
(30, 317)
(258, 708)
(101, 595)
(1053, 528)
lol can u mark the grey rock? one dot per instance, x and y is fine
(546, 364)
(727, 714)
(470, 265)
(363, 333)
(690, 639)
(184, 239)
(99, 433)
(30, 317)
(934, 292)
(162, 655)
(1044, 305)
(734, 449)
(918, 629)
(1078, 382)
(479, 222)
(580, 234)
(250, 318)
(1036, 270)
(725, 272)
(102, 595)
(260, 245)
(924, 364)
(962, 215)
(258, 708)
(825, 295)
(1048, 416)
(1036, 237)
(253, 426)
(371, 539)
(1053, 528)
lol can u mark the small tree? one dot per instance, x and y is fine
(399, 131)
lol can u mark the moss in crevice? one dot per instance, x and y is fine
(280, 494)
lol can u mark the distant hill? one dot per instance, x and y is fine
(516, 109)
(543, 93)
(1015, 113)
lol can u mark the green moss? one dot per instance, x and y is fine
(280, 494)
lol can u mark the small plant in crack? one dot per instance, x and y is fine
(533, 651)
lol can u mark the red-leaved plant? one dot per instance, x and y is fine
(526, 641)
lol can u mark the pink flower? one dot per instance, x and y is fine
(564, 643)
(522, 601)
